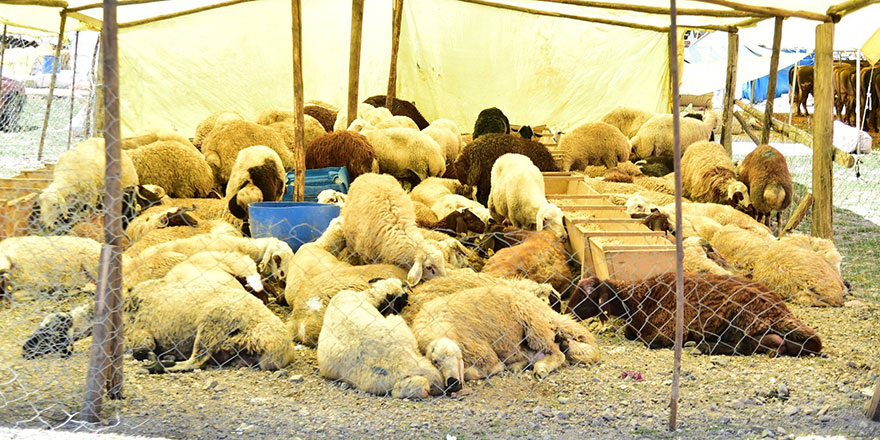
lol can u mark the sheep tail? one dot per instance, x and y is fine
(800, 339)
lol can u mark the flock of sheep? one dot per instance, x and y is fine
(446, 264)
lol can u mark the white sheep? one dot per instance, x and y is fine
(217, 119)
(342, 116)
(404, 153)
(518, 194)
(445, 205)
(375, 354)
(78, 181)
(379, 224)
(430, 190)
(446, 134)
(332, 197)
(147, 137)
(655, 137)
(708, 176)
(157, 218)
(594, 143)
(627, 119)
(396, 122)
(48, 264)
(256, 176)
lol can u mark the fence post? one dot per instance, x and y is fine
(93, 95)
(354, 58)
(2, 56)
(396, 18)
(823, 132)
(771, 80)
(299, 151)
(729, 91)
(52, 79)
(72, 89)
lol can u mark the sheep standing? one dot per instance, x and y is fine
(406, 153)
(708, 176)
(474, 164)
(627, 119)
(323, 115)
(179, 169)
(765, 172)
(655, 137)
(379, 224)
(312, 128)
(400, 107)
(486, 328)
(221, 147)
(78, 182)
(729, 314)
(216, 119)
(594, 143)
(518, 195)
(446, 134)
(343, 149)
(152, 136)
(541, 258)
(491, 120)
(375, 354)
(257, 176)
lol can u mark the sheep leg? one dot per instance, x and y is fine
(199, 356)
(482, 358)
(773, 344)
(778, 221)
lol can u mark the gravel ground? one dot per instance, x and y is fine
(721, 396)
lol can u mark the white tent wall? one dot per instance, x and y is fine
(176, 72)
(536, 69)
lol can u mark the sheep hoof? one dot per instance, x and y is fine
(541, 372)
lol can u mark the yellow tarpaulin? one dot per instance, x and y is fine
(871, 49)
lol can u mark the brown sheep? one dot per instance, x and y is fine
(325, 116)
(726, 314)
(765, 172)
(399, 107)
(541, 258)
(342, 149)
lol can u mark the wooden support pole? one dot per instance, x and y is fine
(47, 3)
(52, 79)
(105, 367)
(660, 10)
(778, 12)
(181, 13)
(746, 128)
(119, 3)
(569, 16)
(396, 18)
(799, 213)
(72, 89)
(354, 58)
(823, 132)
(679, 249)
(2, 57)
(771, 80)
(299, 150)
(874, 407)
(839, 156)
(729, 91)
(848, 7)
(93, 94)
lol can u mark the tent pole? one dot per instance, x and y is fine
(93, 94)
(52, 79)
(299, 150)
(646, 27)
(791, 88)
(660, 10)
(396, 18)
(354, 58)
(858, 96)
(72, 89)
(777, 12)
(2, 57)
(771, 80)
(823, 130)
(729, 90)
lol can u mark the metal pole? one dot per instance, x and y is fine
(679, 250)
(72, 88)
(105, 368)
(52, 79)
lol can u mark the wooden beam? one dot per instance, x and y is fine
(799, 213)
(85, 19)
(52, 79)
(47, 3)
(181, 13)
(299, 150)
(771, 80)
(98, 116)
(396, 18)
(354, 58)
(120, 3)
(839, 156)
(72, 89)
(848, 7)
(2, 57)
(746, 128)
(92, 96)
(729, 91)
(568, 16)
(776, 12)
(823, 131)
(660, 10)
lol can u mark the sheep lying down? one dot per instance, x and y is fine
(200, 312)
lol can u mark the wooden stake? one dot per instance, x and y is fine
(98, 117)
(823, 131)
(354, 58)
(52, 78)
(729, 90)
(679, 250)
(874, 408)
(799, 213)
(746, 128)
(299, 150)
(72, 89)
(839, 156)
(569, 16)
(93, 92)
(2, 57)
(771, 81)
(785, 13)
(396, 18)
(105, 368)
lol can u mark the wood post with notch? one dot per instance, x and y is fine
(729, 91)
(823, 120)
(771, 80)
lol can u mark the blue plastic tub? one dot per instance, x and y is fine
(318, 180)
(296, 223)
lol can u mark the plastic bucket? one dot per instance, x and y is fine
(296, 223)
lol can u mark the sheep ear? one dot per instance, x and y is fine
(415, 274)
(539, 220)
(235, 209)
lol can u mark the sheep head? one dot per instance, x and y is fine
(429, 263)
(738, 195)
(595, 298)
(639, 207)
(276, 256)
(550, 217)
(333, 197)
(446, 355)
(53, 207)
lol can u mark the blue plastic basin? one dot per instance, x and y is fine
(296, 223)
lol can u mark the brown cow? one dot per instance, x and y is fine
(802, 87)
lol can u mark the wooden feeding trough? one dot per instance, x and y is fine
(17, 198)
(608, 243)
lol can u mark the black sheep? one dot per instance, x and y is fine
(491, 120)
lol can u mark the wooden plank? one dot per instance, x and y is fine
(354, 58)
(799, 213)
(638, 265)
(746, 127)
(30, 183)
(640, 247)
(16, 216)
(771, 82)
(729, 91)
(823, 120)
(14, 193)
(593, 208)
(575, 196)
(608, 220)
(36, 174)
(661, 10)
(624, 234)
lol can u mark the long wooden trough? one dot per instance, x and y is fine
(608, 243)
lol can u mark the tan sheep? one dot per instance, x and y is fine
(48, 264)
(654, 138)
(221, 147)
(708, 176)
(627, 119)
(312, 129)
(430, 190)
(696, 260)
(257, 176)
(217, 119)
(172, 233)
(147, 137)
(179, 169)
(594, 143)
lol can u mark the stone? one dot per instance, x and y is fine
(296, 378)
(210, 384)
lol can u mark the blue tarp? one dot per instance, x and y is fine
(781, 82)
